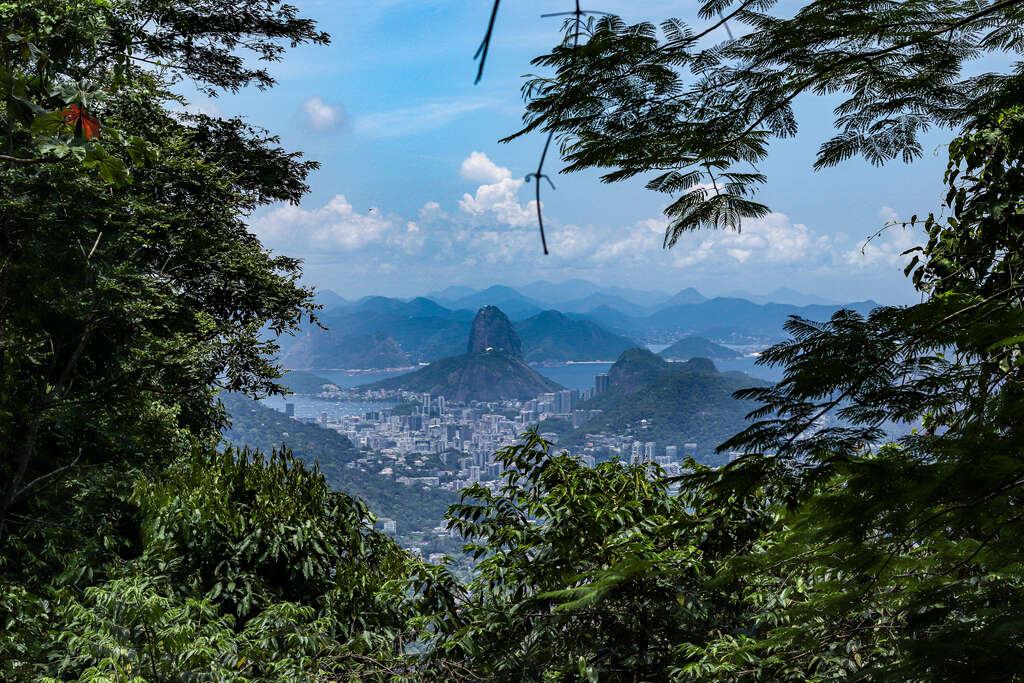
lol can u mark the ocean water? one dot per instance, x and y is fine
(575, 376)
(311, 407)
(349, 378)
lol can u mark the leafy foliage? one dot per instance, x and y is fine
(262, 428)
(568, 589)
(248, 567)
(696, 114)
(122, 308)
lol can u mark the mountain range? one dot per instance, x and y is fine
(586, 323)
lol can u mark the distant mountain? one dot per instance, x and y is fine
(718, 318)
(300, 382)
(684, 296)
(698, 347)
(380, 332)
(346, 351)
(598, 299)
(783, 295)
(451, 293)
(492, 371)
(492, 376)
(682, 403)
(507, 299)
(420, 307)
(492, 331)
(556, 294)
(263, 428)
(328, 299)
(551, 336)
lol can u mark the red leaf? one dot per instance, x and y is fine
(85, 123)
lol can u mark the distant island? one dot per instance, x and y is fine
(698, 347)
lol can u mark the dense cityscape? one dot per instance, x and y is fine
(428, 441)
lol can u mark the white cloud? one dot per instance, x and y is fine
(885, 248)
(321, 116)
(418, 119)
(489, 235)
(499, 193)
(888, 213)
(334, 227)
(477, 167)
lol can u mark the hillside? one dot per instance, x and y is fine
(633, 370)
(551, 336)
(333, 349)
(682, 403)
(697, 347)
(264, 428)
(301, 382)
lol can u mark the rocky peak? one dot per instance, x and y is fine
(492, 330)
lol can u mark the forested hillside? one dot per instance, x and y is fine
(264, 429)
(670, 404)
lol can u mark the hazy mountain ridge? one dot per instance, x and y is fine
(552, 336)
(384, 332)
(697, 347)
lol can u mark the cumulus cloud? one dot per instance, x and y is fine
(334, 227)
(490, 235)
(498, 195)
(478, 168)
(321, 116)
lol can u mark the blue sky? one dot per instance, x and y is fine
(416, 194)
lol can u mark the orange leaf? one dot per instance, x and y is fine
(85, 123)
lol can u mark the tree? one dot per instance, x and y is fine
(245, 568)
(839, 551)
(909, 550)
(131, 292)
(699, 115)
(587, 573)
(129, 284)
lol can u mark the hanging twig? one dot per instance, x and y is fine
(485, 44)
(481, 53)
(539, 173)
